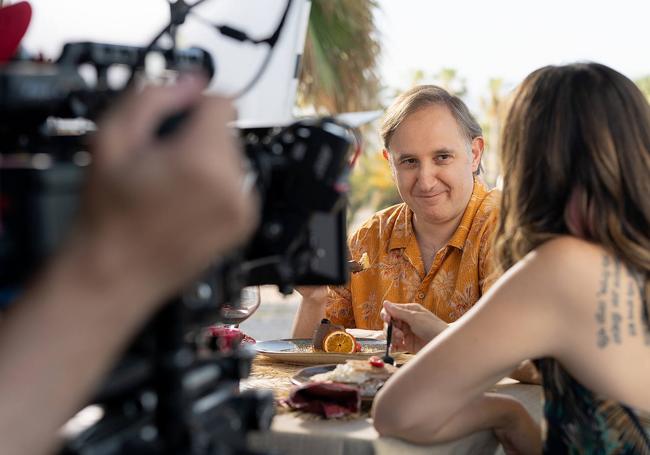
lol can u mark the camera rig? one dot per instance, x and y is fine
(168, 394)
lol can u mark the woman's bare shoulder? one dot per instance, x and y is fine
(568, 253)
(566, 269)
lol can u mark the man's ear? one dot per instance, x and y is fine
(385, 153)
(478, 144)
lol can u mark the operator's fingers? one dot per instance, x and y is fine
(132, 123)
(207, 148)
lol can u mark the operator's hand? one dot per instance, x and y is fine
(157, 211)
(413, 325)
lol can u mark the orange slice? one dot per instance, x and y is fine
(339, 341)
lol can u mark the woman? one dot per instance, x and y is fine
(574, 237)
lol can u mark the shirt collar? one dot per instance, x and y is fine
(403, 230)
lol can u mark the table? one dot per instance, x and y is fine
(299, 434)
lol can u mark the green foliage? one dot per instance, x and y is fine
(372, 185)
(644, 85)
(339, 70)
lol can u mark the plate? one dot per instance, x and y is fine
(304, 376)
(301, 351)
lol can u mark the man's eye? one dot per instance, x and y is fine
(409, 161)
(443, 158)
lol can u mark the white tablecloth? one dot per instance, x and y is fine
(294, 433)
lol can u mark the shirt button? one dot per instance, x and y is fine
(420, 295)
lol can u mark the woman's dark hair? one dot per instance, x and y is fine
(576, 161)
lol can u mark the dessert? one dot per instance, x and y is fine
(324, 328)
(369, 375)
(333, 338)
(339, 341)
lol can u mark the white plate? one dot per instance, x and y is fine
(301, 351)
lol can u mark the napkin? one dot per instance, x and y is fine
(328, 399)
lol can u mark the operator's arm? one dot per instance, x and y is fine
(55, 344)
(154, 213)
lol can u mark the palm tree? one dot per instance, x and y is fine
(493, 107)
(339, 72)
(447, 78)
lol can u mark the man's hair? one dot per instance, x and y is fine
(575, 156)
(422, 96)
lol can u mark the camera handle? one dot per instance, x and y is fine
(191, 420)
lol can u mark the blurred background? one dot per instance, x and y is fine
(359, 54)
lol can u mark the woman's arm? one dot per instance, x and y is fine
(518, 319)
(512, 424)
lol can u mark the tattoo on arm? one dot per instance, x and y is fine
(616, 313)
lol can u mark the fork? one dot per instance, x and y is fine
(389, 334)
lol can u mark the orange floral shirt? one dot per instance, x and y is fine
(460, 273)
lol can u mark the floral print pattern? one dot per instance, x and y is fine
(461, 271)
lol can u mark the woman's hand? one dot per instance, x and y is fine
(413, 325)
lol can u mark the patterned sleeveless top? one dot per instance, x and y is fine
(581, 422)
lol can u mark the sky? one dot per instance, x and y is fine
(508, 39)
(481, 40)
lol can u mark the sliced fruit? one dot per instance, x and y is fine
(376, 362)
(339, 341)
(357, 346)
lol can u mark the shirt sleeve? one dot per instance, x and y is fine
(339, 306)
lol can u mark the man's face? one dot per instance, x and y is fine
(432, 164)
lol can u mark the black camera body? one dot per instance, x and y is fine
(167, 394)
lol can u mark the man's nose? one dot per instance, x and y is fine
(428, 177)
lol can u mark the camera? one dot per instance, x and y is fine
(168, 394)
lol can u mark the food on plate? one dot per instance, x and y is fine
(339, 341)
(324, 328)
(369, 375)
(333, 338)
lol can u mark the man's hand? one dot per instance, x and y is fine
(413, 325)
(526, 373)
(518, 432)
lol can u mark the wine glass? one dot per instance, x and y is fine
(233, 314)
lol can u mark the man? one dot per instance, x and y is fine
(155, 213)
(434, 248)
